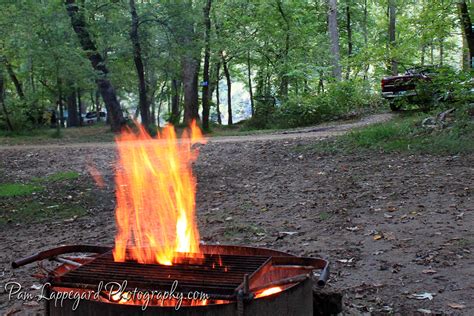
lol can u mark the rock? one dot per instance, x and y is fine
(429, 122)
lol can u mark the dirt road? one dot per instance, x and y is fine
(397, 228)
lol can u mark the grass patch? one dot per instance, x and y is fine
(34, 211)
(17, 189)
(403, 134)
(61, 176)
(58, 176)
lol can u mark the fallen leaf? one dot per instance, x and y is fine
(378, 237)
(456, 306)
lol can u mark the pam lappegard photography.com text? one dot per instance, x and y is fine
(113, 291)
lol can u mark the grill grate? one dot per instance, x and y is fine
(216, 275)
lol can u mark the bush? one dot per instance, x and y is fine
(447, 88)
(338, 101)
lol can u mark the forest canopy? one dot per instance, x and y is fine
(297, 62)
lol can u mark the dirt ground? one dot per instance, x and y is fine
(397, 228)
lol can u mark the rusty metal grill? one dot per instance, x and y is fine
(216, 275)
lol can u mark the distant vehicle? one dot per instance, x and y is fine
(403, 87)
(91, 117)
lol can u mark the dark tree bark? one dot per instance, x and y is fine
(334, 39)
(229, 91)
(2, 101)
(392, 16)
(138, 60)
(161, 96)
(60, 102)
(366, 35)
(14, 79)
(467, 29)
(349, 38)
(72, 118)
(190, 88)
(249, 79)
(175, 113)
(283, 77)
(207, 54)
(97, 105)
(423, 52)
(218, 102)
(104, 85)
(79, 106)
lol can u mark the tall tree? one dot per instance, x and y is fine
(138, 60)
(467, 29)
(2, 100)
(225, 65)
(207, 55)
(334, 39)
(72, 117)
(104, 85)
(349, 37)
(392, 16)
(175, 97)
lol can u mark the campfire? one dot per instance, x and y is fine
(157, 263)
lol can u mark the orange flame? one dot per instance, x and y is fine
(155, 194)
(269, 291)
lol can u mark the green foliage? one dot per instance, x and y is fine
(340, 100)
(17, 189)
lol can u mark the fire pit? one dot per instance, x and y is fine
(228, 280)
(157, 265)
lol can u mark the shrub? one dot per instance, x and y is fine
(338, 101)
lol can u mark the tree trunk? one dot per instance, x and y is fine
(72, 118)
(366, 36)
(249, 78)
(349, 38)
(465, 58)
(60, 102)
(334, 39)
(218, 102)
(79, 106)
(229, 91)
(207, 52)
(97, 105)
(105, 86)
(283, 76)
(441, 51)
(160, 103)
(190, 87)
(468, 32)
(2, 101)
(14, 78)
(392, 15)
(175, 115)
(423, 52)
(137, 59)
